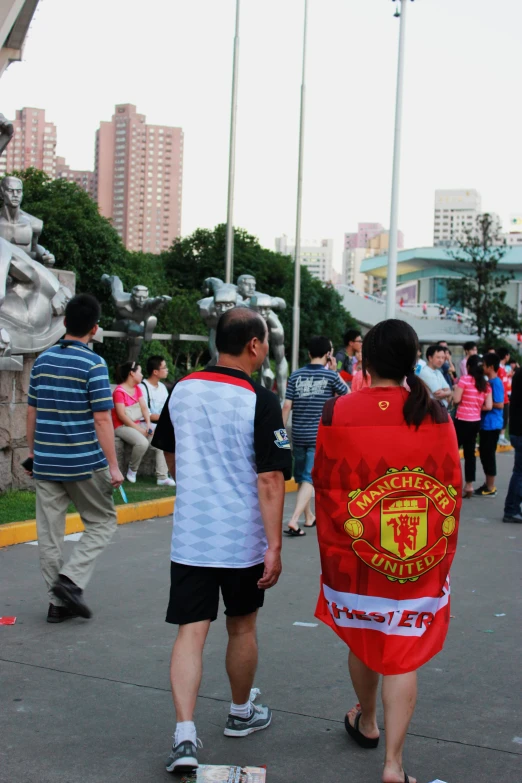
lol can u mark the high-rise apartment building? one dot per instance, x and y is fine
(316, 255)
(455, 212)
(138, 179)
(370, 239)
(84, 179)
(33, 143)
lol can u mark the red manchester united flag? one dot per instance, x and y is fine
(388, 499)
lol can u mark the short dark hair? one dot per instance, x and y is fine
(154, 363)
(123, 371)
(350, 336)
(319, 346)
(236, 328)
(469, 345)
(491, 360)
(432, 349)
(81, 314)
(502, 352)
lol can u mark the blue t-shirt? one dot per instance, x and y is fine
(69, 383)
(494, 419)
(309, 388)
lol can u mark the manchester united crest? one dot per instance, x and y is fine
(404, 499)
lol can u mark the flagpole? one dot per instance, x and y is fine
(229, 261)
(391, 283)
(297, 251)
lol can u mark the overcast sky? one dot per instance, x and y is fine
(173, 59)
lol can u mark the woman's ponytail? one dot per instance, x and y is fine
(419, 404)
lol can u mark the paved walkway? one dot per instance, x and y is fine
(89, 702)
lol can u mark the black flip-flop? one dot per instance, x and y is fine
(358, 736)
(406, 778)
(312, 525)
(296, 533)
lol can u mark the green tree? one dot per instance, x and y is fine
(481, 289)
(202, 254)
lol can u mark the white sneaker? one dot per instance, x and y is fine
(131, 476)
(168, 482)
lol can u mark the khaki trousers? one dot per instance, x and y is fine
(94, 502)
(140, 445)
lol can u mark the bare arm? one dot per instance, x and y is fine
(170, 459)
(146, 413)
(287, 407)
(458, 391)
(105, 435)
(488, 402)
(499, 405)
(271, 491)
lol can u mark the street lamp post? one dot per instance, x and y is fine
(229, 262)
(391, 285)
(297, 264)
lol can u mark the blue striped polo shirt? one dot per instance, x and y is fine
(309, 388)
(69, 383)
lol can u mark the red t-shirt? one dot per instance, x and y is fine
(506, 382)
(120, 395)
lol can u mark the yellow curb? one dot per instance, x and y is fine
(22, 532)
(500, 449)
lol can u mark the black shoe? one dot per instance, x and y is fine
(57, 614)
(484, 492)
(72, 596)
(512, 518)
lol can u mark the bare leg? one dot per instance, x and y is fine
(399, 694)
(365, 683)
(186, 668)
(304, 495)
(490, 482)
(241, 660)
(309, 515)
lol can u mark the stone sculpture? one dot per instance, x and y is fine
(32, 299)
(219, 297)
(265, 306)
(136, 313)
(245, 293)
(19, 227)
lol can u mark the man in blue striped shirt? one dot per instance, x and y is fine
(307, 391)
(71, 442)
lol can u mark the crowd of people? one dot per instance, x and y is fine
(372, 436)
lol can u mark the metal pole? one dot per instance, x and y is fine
(229, 263)
(391, 286)
(297, 264)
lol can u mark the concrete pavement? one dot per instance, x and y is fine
(90, 701)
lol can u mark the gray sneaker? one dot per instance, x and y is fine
(239, 727)
(182, 757)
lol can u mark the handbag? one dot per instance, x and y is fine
(134, 412)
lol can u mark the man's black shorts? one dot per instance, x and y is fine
(194, 592)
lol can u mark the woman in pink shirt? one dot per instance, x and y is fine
(473, 395)
(131, 419)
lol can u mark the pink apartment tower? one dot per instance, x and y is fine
(138, 179)
(366, 232)
(33, 143)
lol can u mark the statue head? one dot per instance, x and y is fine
(139, 294)
(224, 299)
(262, 304)
(246, 285)
(12, 190)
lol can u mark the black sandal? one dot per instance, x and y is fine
(312, 525)
(406, 778)
(291, 532)
(353, 731)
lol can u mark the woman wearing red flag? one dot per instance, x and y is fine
(388, 493)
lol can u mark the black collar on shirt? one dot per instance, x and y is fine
(66, 343)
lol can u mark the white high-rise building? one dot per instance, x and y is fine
(316, 255)
(455, 211)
